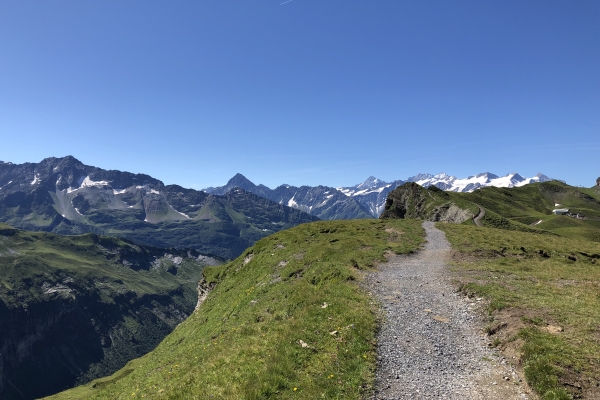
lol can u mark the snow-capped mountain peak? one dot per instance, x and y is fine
(370, 182)
(454, 184)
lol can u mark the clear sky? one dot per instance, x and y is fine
(303, 91)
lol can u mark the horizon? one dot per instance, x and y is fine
(300, 185)
(304, 92)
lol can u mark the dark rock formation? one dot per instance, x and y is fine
(598, 182)
(414, 201)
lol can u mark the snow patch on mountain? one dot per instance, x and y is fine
(183, 214)
(292, 203)
(87, 182)
(370, 185)
(2, 187)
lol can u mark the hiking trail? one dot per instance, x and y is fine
(431, 343)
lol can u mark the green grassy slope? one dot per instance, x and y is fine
(73, 308)
(543, 302)
(529, 208)
(286, 319)
(525, 209)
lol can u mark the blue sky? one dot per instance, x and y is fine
(306, 92)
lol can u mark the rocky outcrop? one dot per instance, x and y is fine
(431, 204)
(452, 213)
(203, 290)
(598, 182)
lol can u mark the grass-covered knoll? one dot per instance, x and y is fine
(544, 302)
(74, 308)
(286, 319)
(529, 209)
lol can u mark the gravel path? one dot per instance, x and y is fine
(479, 216)
(431, 344)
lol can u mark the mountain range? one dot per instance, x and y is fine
(366, 199)
(62, 195)
(321, 201)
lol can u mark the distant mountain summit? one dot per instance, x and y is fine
(371, 193)
(63, 195)
(240, 181)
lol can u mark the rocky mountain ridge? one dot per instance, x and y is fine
(321, 201)
(63, 195)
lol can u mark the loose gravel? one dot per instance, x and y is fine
(432, 344)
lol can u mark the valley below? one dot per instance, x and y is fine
(76, 308)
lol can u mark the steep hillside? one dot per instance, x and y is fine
(62, 195)
(79, 307)
(286, 319)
